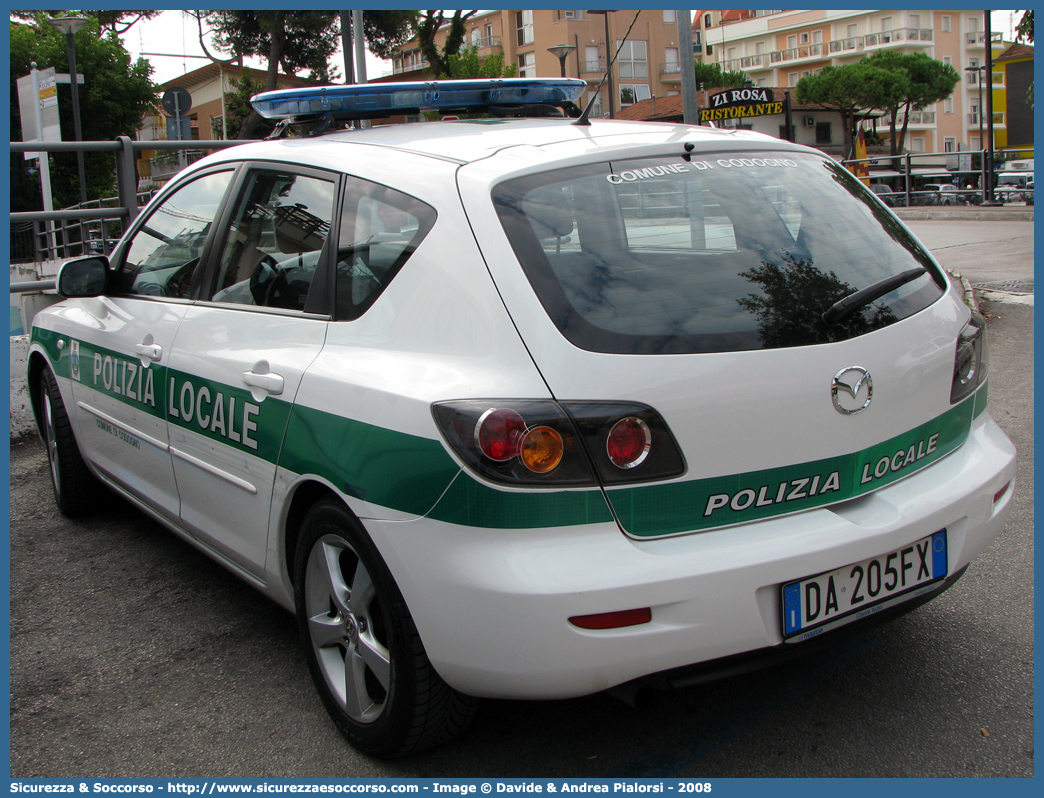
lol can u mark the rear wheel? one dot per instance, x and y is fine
(75, 488)
(363, 650)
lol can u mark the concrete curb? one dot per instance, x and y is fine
(965, 213)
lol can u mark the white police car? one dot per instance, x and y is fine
(528, 408)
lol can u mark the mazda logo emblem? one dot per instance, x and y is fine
(848, 388)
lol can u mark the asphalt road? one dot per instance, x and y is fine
(132, 655)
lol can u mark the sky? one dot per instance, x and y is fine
(175, 33)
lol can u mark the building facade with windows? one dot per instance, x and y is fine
(649, 63)
(778, 48)
(1017, 134)
(207, 86)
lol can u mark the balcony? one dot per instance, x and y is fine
(802, 53)
(596, 66)
(849, 45)
(917, 118)
(411, 66)
(168, 163)
(998, 119)
(670, 72)
(899, 36)
(977, 38)
(485, 43)
(759, 61)
(998, 79)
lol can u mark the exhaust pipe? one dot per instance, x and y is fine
(636, 694)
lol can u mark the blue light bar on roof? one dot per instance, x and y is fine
(382, 99)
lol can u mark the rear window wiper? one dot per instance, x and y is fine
(864, 296)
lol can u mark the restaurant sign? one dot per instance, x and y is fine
(739, 103)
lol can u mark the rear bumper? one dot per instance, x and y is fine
(492, 605)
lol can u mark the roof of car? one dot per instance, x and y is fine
(464, 141)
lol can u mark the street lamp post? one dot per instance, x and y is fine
(978, 79)
(990, 177)
(69, 26)
(562, 51)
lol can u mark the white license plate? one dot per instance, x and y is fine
(856, 591)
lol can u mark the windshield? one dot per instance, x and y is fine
(744, 251)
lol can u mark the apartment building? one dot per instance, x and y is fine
(1017, 64)
(778, 48)
(207, 87)
(649, 63)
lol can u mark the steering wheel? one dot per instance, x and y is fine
(265, 287)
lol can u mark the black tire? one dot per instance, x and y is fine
(76, 491)
(363, 650)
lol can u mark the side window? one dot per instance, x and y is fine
(163, 257)
(380, 229)
(276, 240)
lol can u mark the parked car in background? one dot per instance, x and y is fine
(1011, 186)
(940, 194)
(893, 199)
(1027, 194)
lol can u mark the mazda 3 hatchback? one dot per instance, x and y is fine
(530, 407)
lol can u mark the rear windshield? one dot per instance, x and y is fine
(743, 251)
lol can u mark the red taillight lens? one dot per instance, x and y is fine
(629, 442)
(499, 434)
(613, 620)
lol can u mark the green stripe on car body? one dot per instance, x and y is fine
(697, 505)
(416, 475)
(392, 469)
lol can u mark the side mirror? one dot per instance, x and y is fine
(83, 277)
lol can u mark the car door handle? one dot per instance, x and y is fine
(269, 383)
(152, 351)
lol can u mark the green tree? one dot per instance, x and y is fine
(237, 104)
(710, 76)
(291, 41)
(387, 29)
(927, 82)
(468, 64)
(1025, 31)
(114, 97)
(119, 21)
(853, 89)
(428, 25)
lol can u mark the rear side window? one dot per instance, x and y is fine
(275, 244)
(380, 229)
(738, 252)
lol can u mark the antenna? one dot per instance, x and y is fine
(584, 119)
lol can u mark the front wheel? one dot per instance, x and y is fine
(363, 650)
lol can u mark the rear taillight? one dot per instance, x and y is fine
(971, 360)
(629, 443)
(529, 442)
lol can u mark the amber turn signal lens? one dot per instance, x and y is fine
(542, 450)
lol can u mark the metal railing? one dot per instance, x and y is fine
(940, 175)
(72, 235)
(898, 35)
